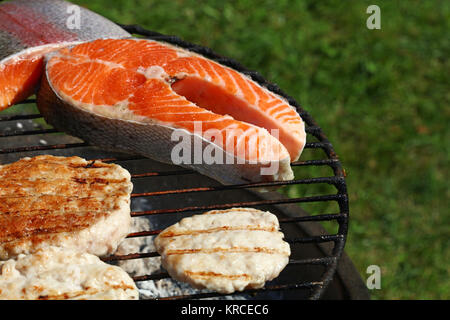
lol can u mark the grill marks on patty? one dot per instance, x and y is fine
(74, 186)
(17, 226)
(226, 250)
(57, 204)
(70, 177)
(206, 275)
(169, 234)
(81, 294)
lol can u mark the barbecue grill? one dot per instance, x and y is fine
(163, 194)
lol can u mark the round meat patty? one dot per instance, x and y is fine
(55, 273)
(224, 250)
(63, 201)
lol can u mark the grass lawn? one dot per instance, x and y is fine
(382, 97)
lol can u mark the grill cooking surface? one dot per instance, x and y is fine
(163, 194)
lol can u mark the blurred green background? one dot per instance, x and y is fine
(381, 96)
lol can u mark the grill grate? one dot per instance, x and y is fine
(307, 274)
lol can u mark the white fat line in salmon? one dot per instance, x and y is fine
(250, 148)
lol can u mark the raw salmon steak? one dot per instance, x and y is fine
(174, 106)
(29, 29)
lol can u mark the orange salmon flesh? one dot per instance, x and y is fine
(29, 29)
(174, 87)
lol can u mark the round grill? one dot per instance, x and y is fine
(163, 194)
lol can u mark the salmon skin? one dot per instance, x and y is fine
(29, 29)
(164, 102)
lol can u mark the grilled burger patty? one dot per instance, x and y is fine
(224, 250)
(63, 201)
(55, 273)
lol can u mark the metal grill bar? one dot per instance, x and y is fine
(44, 148)
(131, 256)
(319, 162)
(14, 133)
(28, 116)
(333, 180)
(322, 162)
(308, 145)
(320, 217)
(144, 233)
(159, 174)
(317, 239)
(125, 158)
(138, 255)
(27, 132)
(329, 180)
(20, 117)
(158, 276)
(333, 197)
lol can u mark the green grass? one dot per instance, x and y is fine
(382, 97)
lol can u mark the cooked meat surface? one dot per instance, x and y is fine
(55, 273)
(63, 201)
(224, 250)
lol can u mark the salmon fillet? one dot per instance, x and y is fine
(141, 91)
(68, 202)
(224, 250)
(29, 29)
(55, 273)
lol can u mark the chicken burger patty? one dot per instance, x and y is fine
(63, 201)
(224, 250)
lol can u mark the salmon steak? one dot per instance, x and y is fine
(29, 29)
(172, 105)
(63, 201)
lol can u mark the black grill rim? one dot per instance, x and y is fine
(339, 240)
